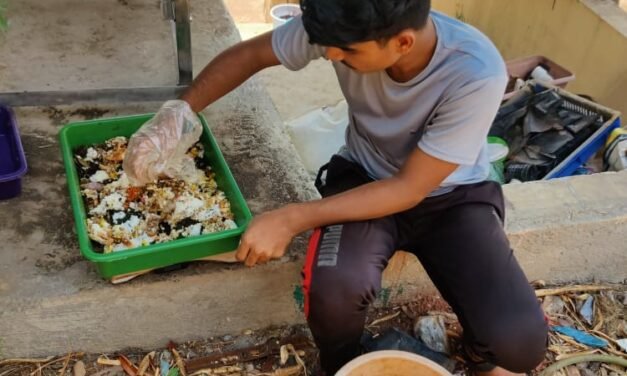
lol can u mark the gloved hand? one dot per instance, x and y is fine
(159, 146)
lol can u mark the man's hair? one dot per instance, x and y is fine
(339, 23)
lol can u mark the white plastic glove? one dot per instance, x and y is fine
(159, 146)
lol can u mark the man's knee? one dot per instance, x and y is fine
(517, 344)
(340, 295)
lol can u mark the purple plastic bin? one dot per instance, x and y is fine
(12, 158)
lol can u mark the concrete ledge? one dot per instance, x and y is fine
(566, 202)
(571, 229)
(610, 12)
(149, 314)
(562, 230)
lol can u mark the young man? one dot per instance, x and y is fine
(423, 90)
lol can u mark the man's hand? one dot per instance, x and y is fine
(266, 238)
(159, 146)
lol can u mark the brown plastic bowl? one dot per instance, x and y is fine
(392, 363)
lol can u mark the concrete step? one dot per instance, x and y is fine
(51, 299)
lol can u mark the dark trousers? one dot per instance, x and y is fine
(459, 239)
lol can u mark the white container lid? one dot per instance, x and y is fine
(497, 152)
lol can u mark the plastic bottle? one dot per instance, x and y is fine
(615, 155)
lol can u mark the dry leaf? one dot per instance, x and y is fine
(104, 361)
(572, 355)
(284, 355)
(299, 360)
(572, 371)
(112, 371)
(127, 366)
(42, 366)
(145, 363)
(179, 361)
(611, 368)
(25, 360)
(225, 370)
(599, 317)
(383, 319)
(65, 364)
(571, 289)
(289, 371)
(79, 369)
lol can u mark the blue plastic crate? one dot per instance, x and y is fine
(581, 155)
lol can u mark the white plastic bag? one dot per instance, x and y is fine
(319, 134)
(159, 146)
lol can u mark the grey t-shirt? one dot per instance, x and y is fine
(446, 110)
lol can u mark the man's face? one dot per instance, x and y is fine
(365, 57)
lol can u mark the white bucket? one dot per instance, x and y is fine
(281, 13)
(392, 363)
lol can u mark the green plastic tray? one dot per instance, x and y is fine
(154, 256)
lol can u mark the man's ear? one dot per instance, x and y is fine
(405, 41)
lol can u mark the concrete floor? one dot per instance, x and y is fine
(82, 48)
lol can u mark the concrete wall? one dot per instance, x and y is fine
(589, 37)
(561, 230)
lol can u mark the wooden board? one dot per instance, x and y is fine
(228, 257)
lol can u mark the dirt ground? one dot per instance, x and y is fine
(281, 351)
(231, 348)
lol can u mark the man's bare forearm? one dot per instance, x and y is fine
(229, 70)
(419, 177)
(373, 200)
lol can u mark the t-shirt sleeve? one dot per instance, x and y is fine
(461, 124)
(291, 45)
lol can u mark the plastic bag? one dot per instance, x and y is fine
(319, 134)
(159, 146)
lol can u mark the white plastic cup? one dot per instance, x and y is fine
(282, 13)
(541, 74)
